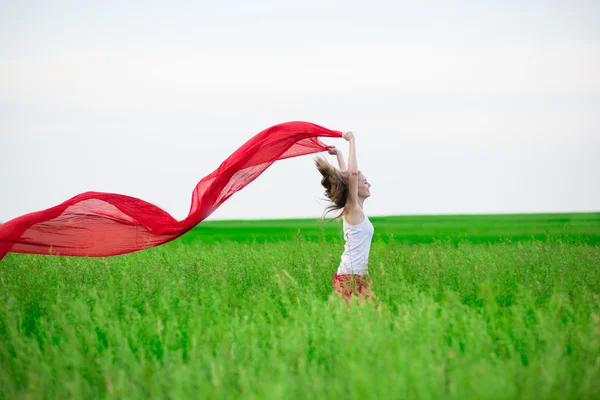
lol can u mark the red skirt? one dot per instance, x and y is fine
(349, 285)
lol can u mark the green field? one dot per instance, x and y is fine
(575, 227)
(487, 307)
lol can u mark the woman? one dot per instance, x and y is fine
(347, 188)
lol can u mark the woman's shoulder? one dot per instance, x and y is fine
(354, 216)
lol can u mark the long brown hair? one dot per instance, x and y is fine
(335, 183)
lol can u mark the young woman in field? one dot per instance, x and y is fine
(347, 188)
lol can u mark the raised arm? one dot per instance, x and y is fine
(334, 151)
(352, 202)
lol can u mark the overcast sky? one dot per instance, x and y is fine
(457, 107)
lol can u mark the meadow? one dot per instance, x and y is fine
(471, 307)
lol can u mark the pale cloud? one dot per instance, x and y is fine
(168, 81)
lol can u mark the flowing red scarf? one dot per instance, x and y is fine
(98, 224)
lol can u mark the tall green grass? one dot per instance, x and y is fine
(457, 320)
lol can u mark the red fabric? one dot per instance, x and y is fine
(105, 224)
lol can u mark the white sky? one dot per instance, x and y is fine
(458, 107)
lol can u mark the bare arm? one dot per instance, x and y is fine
(334, 151)
(352, 201)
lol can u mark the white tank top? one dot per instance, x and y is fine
(355, 259)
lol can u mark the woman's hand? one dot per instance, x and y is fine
(348, 136)
(334, 151)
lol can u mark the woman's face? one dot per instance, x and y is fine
(363, 186)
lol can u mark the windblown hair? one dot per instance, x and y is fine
(335, 183)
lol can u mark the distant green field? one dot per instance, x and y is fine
(471, 307)
(579, 227)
